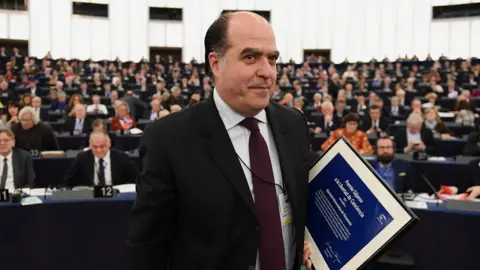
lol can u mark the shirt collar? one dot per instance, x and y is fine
(106, 158)
(9, 156)
(230, 117)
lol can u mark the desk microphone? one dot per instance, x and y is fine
(430, 185)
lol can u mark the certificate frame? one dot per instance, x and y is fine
(402, 217)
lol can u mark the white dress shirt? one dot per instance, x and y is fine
(240, 136)
(9, 184)
(106, 166)
(100, 107)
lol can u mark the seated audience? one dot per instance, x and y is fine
(298, 104)
(416, 107)
(317, 101)
(78, 123)
(74, 101)
(194, 99)
(101, 165)
(31, 134)
(327, 122)
(176, 97)
(351, 132)
(175, 108)
(340, 110)
(37, 107)
(163, 113)
(432, 99)
(96, 107)
(414, 137)
(16, 166)
(123, 120)
(26, 101)
(395, 108)
(60, 104)
(374, 123)
(152, 114)
(465, 114)
(435, 123)
(277, 93)
(393, 171)
(12, 114)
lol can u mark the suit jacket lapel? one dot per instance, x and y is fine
(220, 148)
(91, 168)
(16, 172)
(279, 130)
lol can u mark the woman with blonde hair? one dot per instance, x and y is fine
(122, 120)
(435, 124)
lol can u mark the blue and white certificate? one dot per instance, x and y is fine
(352, 214)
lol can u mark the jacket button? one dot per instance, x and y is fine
(257, 228)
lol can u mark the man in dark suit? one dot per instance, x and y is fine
(101, 165)
(395, 110)
(152, 113)
(393, 171)
(37, 107)
(134, 103)
(374, 123)
(79, 123)
(415, 137)
(328, 121)
(16, 166)
(221, 211)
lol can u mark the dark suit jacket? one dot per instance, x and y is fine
(23, 173)
(81, 172)
(70, 125)
(201, 214)
(426, 135)
(367, 124)
(134, 103)
(320, 122)
(401, 111)
(472, 148)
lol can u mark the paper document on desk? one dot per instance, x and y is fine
(126, 188)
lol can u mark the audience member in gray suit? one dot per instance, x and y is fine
(16, 166)
(134, 103)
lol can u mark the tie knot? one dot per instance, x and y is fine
(5, 160)
(250, 123)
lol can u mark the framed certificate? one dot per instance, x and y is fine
(352, 213)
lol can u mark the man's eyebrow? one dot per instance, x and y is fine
(257, 52)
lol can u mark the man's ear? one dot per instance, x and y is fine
(214, 61)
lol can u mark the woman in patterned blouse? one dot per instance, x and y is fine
(356, 137)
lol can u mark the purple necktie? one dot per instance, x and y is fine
(271, 248)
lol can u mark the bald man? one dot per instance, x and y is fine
(100, 165)
(219, 206)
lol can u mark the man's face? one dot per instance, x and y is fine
(80, 112)
(416, 104)
(107, 87)
(340, 106)
(361, 100)
(451, 84)
(99, 144)
(96, 100)
(155, 105)
(395, 102)
(384, 147)
(374, 114)
(414, 128)
(62, 98)
(327, 110)
(246, 74)
(6, 144)
(36, 102)
(84, 86)
(26, 121)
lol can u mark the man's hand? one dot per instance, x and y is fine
(307, 251)
(371, 131)
(474, 192)
(318, 129)
(409, 147)
(420, 146)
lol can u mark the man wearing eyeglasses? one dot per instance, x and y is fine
(393, 171)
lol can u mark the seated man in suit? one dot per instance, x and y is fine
(395, 108)
(360, 107)
(101, 165)
(16, 166)
(374, 123)
(152, 114)
(327, 122)
(393, 171)
(415, 137)
(31, 134)
(78, 124)
(36, 105)
(96, 107)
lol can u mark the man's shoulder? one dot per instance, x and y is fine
(21, 153)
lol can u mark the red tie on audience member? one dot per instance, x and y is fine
(271, 248)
